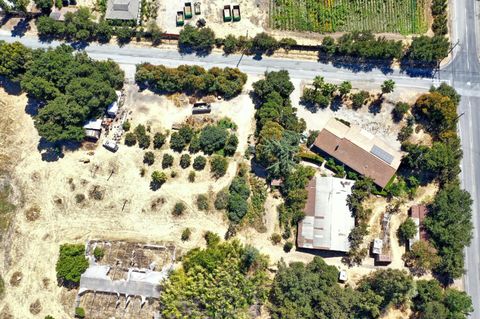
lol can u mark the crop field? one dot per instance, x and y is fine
(397, 16)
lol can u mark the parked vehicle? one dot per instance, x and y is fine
(110, 145)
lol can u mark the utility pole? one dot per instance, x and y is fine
(243, 53)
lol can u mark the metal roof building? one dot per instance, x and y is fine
(360, 150)
(123, 10)
(328, 220)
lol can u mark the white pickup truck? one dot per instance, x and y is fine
(110, 145)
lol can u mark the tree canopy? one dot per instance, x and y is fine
(71, 264)
(227, 82)
(221, 281)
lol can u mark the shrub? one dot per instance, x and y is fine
(159, 140)
(199, 163)
(230, 44)
(276, 238)
(231, 145)
(149, 158)
(186, 233)
(98, 253)
(126, 125)
(185, 161)
(218, 166)
(173, 174)
(264, 43)
(130, 139)
(158, 179)
(79, 312)
(287, 247)
(179, 209)
(194, 146)
(71, 264)
(312, 136)
(202, 202)
(287, 43)
(407, 230)
(186, 132)
(167, 161)
(237, 207)
(143, 141)
(211, 238)
(191, 176)
(177, 142)
(212, 138)
(401, 108)
(124, 34)
(200, 40)
(227, 123)
(221, 201)
(359, 99)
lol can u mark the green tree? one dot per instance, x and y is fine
(199, 163)
(407, 230)
(179, 209)
(428, 50)
(359, 99)
(185, 161)
(167, 161)
(130, 139)
(15, 58)
(399, 111)
(450, 227)
(231, 145)
(124, 34)
(388, 86)
(159, 140)
(98, 253)
(264, 43)
(177, 142)
(230, 44)
(287, 43)
(158, 179)
(212, 138)
(395, 286)
(200, 40)
(222, 281)
(458, 303)
(274, 82)
(427, 291)
(345, 87)
(186, 233)
(149, 158)
(285, 157)
(421, 257)
(71, 264)
(221, 200)
(218, 166)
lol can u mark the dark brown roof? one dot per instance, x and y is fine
(420, 212)
(309, 210)
(355, 157)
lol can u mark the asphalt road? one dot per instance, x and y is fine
(463, 72)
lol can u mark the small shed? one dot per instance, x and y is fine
(383, 259)
(112, 109)
(377, 246)
(188, 10)
(201, 108)
(180, 19)
(93, 129)
(342, 276)
(59, 14)
(196, 8)
(236, 13)
(227, 14)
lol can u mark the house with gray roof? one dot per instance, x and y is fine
(328, 220)
(123, 10)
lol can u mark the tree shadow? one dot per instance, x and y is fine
(258, 169)
(309, 106)
(11, 87)
(52, 152)
(21, 27)
(376, 106)
(322, 253)
(336, 103)
(5, 19)
(417, 69)
(79, 45)
(32, 107)
(356, 64)
(200, 52)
